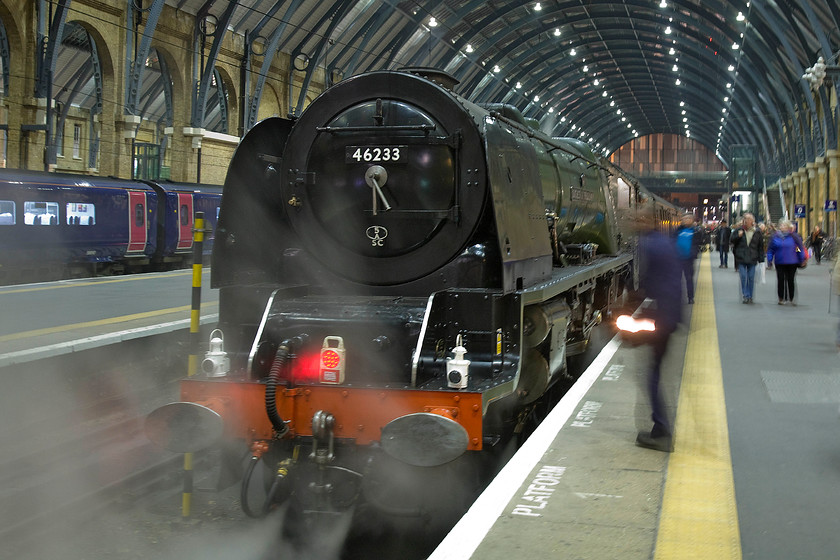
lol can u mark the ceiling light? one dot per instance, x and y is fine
(612, 103)
(604, 94)
(735, 46)
(731, 68)
(668, 30)
(675, 68)
(740, 16)
(469, 48)
(518, 85)
(682, 103)
(586, 68)
(573, 52)
(678, 82)
(595, 82)
(537, 7)
(496, 69)
(557, 32)
(536, 98)
(551, 109)
(432, 22)
(672, 51)
(663, 4)
(562, 119)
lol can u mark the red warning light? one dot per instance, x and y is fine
(330, 359)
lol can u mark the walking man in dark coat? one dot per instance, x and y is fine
(659, 280)
(723, 236)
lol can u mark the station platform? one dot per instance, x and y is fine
(755, 471)
(54, 318)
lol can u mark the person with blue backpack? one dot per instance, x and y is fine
(688, 241)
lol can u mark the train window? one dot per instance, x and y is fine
(80, 214)
(40, 213)
(139, 215)
(185, 215)
(7, 213)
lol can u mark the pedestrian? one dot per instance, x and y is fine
(722, 237)
(748, 250)
(688, 246)
(815, 241)
(787, 253)
(659, 280)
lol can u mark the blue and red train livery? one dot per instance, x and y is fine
(56, 225)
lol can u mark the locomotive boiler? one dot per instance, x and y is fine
(403, 276)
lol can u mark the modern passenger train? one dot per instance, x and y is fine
(403, 276)
(56, 225)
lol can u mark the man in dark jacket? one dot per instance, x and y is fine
(722, 238)
(748, 250)
(688, 247)
(659, 280)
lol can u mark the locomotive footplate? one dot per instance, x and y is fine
(568, 278)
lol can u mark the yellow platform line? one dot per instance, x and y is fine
(699, 518)
(101, 322)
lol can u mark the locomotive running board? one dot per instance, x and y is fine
(568, 277)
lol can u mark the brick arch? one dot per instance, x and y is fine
(270, 104)
(13, 22)
(232, 95)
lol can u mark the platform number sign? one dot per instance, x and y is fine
(798, 210)
(831, 206)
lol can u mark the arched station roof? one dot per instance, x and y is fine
(725, 74)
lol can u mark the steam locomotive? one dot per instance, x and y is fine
(403, 276)
(55, 225)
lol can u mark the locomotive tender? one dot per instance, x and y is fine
(54, 225)
(403, 275)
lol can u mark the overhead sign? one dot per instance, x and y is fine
(798, 210)
(830, 205)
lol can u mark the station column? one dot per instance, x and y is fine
(833, 160)
(814, 209)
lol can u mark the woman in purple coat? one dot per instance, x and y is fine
(788, 254)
